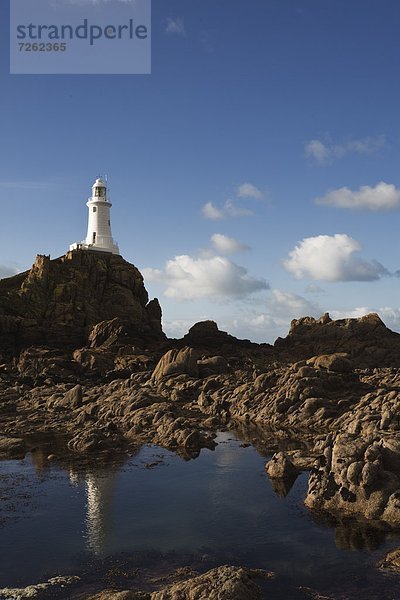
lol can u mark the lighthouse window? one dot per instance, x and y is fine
(94, 237)
(100, 191)
(109, 222)
(94, 209)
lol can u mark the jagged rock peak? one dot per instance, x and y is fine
(68, 295)
(365, 338)
(207, 334)
(370, 320)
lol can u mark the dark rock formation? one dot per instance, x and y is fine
(222, 583)
(57, 302)
(40, 589)
(391, 562)
(366, 339)
(206, 334)
(282, 473)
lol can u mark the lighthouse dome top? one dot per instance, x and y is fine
(99, 183)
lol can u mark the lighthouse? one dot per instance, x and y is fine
(99, 237)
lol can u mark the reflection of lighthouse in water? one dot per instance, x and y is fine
(99, 490)
(99, 487)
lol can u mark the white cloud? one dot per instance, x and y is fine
(227, 245)
(291, 306)
(248, 190)
(312, 288)
(212, 212)
(260, 328)
(175, 26)
(390, 316)
(152, 274)
(384, 196)
(177, 328)
(7, 271)
(318, 151)
(232, 210)
(325, 153)
(229, 210)
(188, 278)
(331, 258)
(280, 308)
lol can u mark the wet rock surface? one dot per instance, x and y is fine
(38, 590)
(391, 562)
(221, 583)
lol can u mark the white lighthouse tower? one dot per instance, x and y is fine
(99, 236)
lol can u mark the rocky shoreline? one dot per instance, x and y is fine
(116, 382)
(350, 415)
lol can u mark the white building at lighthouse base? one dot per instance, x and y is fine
(99, 237)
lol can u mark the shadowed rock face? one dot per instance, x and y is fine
(366, 339)
(206, 334)
(57, 301)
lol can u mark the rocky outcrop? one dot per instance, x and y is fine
(221, 583)
(206, 334)
(40, 589)
(90, 359)
(357, 476)
(366, 339)
(391, 562)
(280, 467)
(57, 302)
(124, 595)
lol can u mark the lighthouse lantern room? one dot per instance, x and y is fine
(99, 236)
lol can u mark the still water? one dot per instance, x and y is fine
(217, 509)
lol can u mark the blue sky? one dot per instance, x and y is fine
(254, 174)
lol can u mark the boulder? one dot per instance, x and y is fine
(73, 398)
(391, 562)
(176, 362)
(280, 467)
(213, 365)
(222, 583)
(339, 362)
